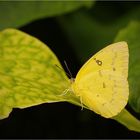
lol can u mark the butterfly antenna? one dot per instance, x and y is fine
(62, 70)
(70, 74)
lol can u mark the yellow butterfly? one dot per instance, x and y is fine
(102, 82)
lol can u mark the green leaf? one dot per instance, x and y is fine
(28, 73)
(131, 34)
(128, 120)
(19, 13)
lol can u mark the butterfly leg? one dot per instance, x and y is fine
(64, 92)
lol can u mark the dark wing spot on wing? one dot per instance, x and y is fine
(100, 73)
(97, 95)
(99, 62)
(104, 86)
(114, 69)
(103, 104)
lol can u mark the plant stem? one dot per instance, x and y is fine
(128, 120)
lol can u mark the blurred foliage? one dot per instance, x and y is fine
(19, 13)
(88, 34)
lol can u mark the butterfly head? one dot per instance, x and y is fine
(72, 80)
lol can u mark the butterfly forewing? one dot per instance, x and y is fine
(102, 81)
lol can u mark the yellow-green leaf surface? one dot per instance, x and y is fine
(28, 73)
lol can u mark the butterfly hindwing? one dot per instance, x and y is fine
(102, 81)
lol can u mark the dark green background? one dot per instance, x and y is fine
(64, 120)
